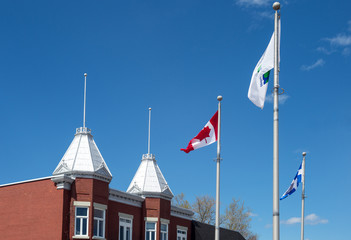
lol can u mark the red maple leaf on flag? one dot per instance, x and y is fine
(203, 134)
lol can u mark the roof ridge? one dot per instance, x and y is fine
(75, 157)
(158, 180)
(147, 164)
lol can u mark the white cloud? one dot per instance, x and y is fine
(311, 219)
(282, 98)
(346, 51)
(342, 40)
(251, 214)
(253, 2)
(320, 62)
(265, 14)
(258, 3)
(292, 220)
(325, 51)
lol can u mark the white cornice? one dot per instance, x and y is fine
(126, 198)
(181, 212)
(26, 181)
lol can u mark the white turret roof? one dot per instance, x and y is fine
(83, 158)
(149, 181)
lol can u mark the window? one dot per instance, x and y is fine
(164, 231)
(125, 228)
(81, 228)
(150, 231)
(181, 234)
(99, 223)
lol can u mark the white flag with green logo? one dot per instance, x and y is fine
(260, 76)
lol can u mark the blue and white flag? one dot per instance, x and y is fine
(294, 184)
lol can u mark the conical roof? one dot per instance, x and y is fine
(83, 158)
(148, 181)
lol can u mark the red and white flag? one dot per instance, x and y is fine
(206, 136)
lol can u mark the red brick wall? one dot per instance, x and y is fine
(165, 207)
(32, 210)
(37, 210)
(113, 219)
(173, 227)
(88, 190)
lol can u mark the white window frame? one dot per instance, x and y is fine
(151, 220)
(166, 223)
(86, 205)
(164, 233)
(100, 207)
(182, 233)
(125, 224)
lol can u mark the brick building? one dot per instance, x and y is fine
(77, 203)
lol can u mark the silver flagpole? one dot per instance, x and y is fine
(303, 196)
(85, 93)
(219, 98)
(276, 7)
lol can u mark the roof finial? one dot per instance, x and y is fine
(85, 93)
(148, 145)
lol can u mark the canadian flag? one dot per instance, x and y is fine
(206, 136)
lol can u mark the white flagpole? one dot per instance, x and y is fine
(276, 7)
(219, 98)
(303, 197)
(148, 144)
(85, 93)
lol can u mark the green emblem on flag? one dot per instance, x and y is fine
(266, 77)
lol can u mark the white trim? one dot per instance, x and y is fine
(81, 237)
(62, 181)
(181, 213)
(182, 228)
(151, 219)
(100, 206)
(25, 181)
(164, 221)
(125, 225)
(81, 217)
(182, 232)
(124, 215)
(155, 222)
(98, 219)
(100, 238)
(125, 198)
(81, 204)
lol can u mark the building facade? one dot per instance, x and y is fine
(77, 203)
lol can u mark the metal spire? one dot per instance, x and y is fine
(148, 144)
(85, 94)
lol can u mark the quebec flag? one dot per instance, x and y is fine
(294, 184)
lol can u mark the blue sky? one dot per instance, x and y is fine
(177, 57)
